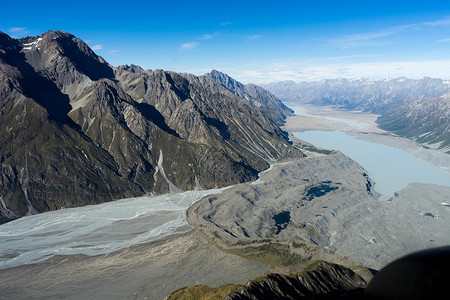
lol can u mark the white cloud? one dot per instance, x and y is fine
(221, 64)
(444, 40)
(225, 23)
(182, 67)
(305, 71)
(376, 38)
(373, 38)
(343, 57)
(189, 46)
(443, 22)
(97, 47)
(206, 37)
(17, 29)
(114, 51)
(253, 37)
(16, 32)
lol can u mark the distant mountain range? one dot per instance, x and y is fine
(76, 131)
(360, 94)
(414, 108)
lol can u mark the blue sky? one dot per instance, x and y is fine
(254, 41)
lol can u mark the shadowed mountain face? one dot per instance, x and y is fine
(420, 275)
(76, 131)
(320, 280)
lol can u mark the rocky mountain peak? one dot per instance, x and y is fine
(84, 132)
(131, 68)
(6, 41)
(225, 80)
(61, 52)
(258, 96)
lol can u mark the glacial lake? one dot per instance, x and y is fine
(392, 169)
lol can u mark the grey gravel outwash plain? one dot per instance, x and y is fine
(321, 207)
(328, 201)
(148, 271)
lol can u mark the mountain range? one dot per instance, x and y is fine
(414, 108)
(77, 131)
(375, 96)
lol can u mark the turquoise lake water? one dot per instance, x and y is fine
(391, 168)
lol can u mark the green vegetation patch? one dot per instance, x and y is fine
(314, 149)
(202, 292)
(272, 254)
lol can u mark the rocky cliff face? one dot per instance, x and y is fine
(77, 131)
(267, 102)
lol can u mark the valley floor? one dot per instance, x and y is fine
(362, 126)
(324, 202)
(347, 221)
(148, 271)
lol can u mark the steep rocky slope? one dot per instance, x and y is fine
(267, 102)
(425, 121)
(419, 275)
(77, 131)
(320, 279)
(47, 162)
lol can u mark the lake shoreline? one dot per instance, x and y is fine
(362, 126)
